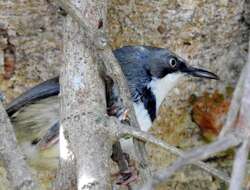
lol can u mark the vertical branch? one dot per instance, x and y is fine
(18, 172)
(83, 106)
(234, 106)
(192, 156)
(113, 69)
(239, 167)
(240, 98)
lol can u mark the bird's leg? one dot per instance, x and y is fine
(127, 170)
(122, 160)
(115, 107)
(127, 174)
(2, 97)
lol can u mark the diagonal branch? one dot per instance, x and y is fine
(125, 130)
(234, 106)
(236, 102)
(243, 124)
(239, 166)
(18, 172)
(193, 156)
(77, 16)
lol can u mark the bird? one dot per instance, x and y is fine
(151, 73)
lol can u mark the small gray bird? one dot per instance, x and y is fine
(151, 73)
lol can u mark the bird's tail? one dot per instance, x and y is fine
(35, 116)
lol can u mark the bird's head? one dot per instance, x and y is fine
(164, 62)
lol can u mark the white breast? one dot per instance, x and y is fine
(145, 123)
(142, 116)
(161, 87)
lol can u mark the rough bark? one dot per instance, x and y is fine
(83, 105)
(18, 173)
(82, 86)
(241, 156)
(105, 58)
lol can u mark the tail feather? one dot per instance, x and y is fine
(46, 89)
(34, 120)
(35, 117)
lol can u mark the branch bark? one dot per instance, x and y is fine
(193, 156)
(146, 137)
(77, 81)
(105, 56)
(83, 104)
(240, 165)
(239, 168)
(234, 106)
(18, 173)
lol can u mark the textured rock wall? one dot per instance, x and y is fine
(33, 30)
(212, 34)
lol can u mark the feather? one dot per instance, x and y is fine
(35, 116)
(46, 89)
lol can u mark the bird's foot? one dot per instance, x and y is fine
(124, 178)
(2, 97)
(125, 117)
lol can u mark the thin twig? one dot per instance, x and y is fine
(193, 156)
(145, 136)
(243, 124)
(235, 105)
(239, 166)
(244, 116)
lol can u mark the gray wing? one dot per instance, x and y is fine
(35, 114)
(32, 121)
(46, 89)
(134, 63)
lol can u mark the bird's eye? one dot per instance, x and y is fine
(173, 62)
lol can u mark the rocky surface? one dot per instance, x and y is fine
(33, 29)
(211, 34)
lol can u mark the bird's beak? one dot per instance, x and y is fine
(197, 72)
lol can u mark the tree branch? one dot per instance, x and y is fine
(77, 16)
(234, 106)
(82, 102)
(243, 125)
(105, 56)
(18, 172)
(125, 130)
(240, 165)
(191, 157)
(236, 101)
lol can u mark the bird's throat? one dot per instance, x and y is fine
(161, 87)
